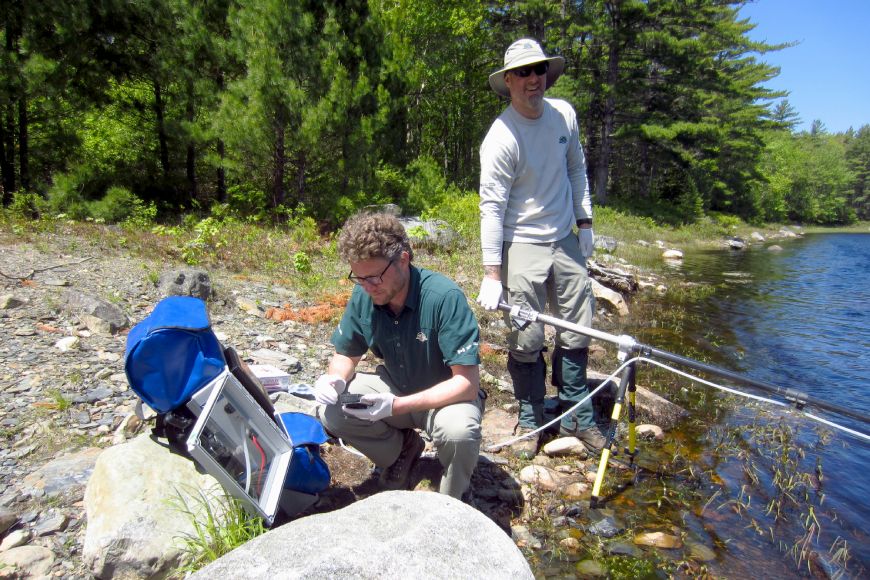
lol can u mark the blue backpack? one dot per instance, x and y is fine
(173, 353)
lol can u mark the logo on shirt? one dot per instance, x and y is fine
(563, 140)
(421, 337)
(467, 348)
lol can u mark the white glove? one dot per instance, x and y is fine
(327, 389)
(587, 241)
(490, 293)
(381, 407)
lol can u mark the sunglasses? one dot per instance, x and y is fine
(540, 69)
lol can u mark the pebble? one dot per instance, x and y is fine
(591, 569)
(565, 446)
(542, 477)
(50, 525)
(7, 519)
(524, 538)
(658, 540)
(648, 431)
(14, 539)
(700, 552)
(67, 343)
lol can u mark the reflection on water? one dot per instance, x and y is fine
(797, 318)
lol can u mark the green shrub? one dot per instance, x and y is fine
(390, 183)
(246, 202)
(27, 205)
(117, 205)
(142, 215)
(427, 186)
(460, 211)
(301, 227)
(726, 221)
(66, 195)
(301, 262)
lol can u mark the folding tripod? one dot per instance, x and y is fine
(627, 345)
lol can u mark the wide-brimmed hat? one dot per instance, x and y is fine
(522, 52)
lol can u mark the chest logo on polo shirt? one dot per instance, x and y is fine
(421, 337)
(563, 139)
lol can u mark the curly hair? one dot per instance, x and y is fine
(373, 235)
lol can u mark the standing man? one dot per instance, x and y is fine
(420, 324)
(533, 189)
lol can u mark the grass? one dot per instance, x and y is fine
(219, 522)
(61, 402)
(298, 256)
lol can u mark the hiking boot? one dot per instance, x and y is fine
(591, 437)
(396, 476)
(526, 448)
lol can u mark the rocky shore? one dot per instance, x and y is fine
(65, 309)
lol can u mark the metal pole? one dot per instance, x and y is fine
(627, 345)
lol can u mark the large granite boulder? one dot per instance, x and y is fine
(398, 534)
(134, 524)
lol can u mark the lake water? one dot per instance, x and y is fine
(800, 318)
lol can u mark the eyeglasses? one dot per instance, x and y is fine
(373, 280)
(540, 69)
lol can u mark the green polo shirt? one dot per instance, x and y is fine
(435, 330)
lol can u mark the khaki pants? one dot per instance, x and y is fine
(554, 273)
(454, 429)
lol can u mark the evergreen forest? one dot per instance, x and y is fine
(276, 109)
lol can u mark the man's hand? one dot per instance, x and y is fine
(587, 241)
(327, 388)
(381, 407)
(490, 293)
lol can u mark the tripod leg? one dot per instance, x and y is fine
(632, 415)
(611, 433)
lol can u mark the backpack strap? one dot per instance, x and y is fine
(175, 427)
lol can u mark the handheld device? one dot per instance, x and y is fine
(352, 401)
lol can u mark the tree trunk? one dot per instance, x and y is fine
(221, 173)
(23, 150)
(161, 130)
(646, 171)
(279, 159)
(301, 165)
(9, 138)
(7, 131)
(190, 161)
(602, 164)
(5, 169)
(221, 149)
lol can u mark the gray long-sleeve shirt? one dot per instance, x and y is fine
(533, 182)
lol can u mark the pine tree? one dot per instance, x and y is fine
(785, 115)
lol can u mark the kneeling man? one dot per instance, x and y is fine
(419, 323)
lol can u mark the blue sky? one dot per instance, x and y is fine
(828, 72)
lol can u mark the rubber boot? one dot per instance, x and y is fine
(569, 377)
(529, 381)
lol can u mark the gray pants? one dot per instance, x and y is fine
(454, 429)
(554, 273)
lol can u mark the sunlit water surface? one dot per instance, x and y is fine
(797, 318)
(800, 318)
